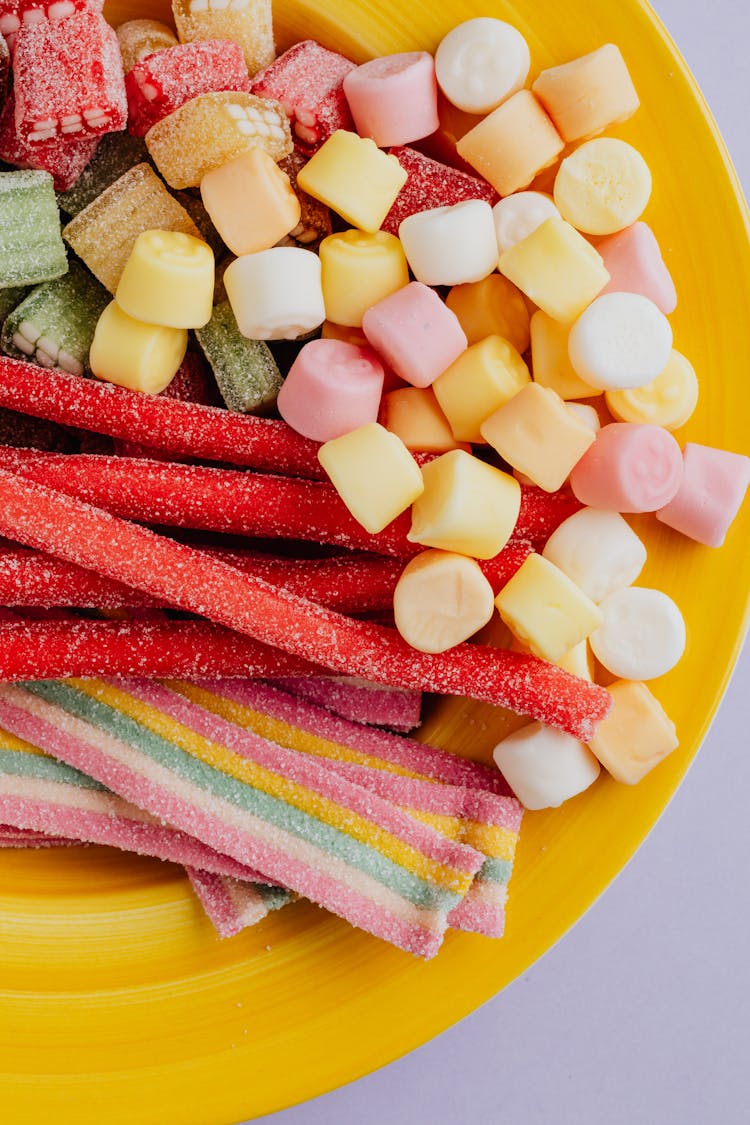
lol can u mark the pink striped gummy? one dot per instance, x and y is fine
(356, 700)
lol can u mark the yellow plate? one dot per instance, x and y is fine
(117, 1003)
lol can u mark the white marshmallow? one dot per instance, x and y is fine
(450, 245)
(276, 294)
(642, 634)
(480, 63)
(545, 767)
(621, 340)
(585, 414)
(598, 551)
(518, 215)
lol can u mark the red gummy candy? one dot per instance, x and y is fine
(308, 81)
(431, 184)
(165, 80)
(69, 80)
(63, 157)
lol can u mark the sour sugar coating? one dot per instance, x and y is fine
(212, 129)
(68, 79)
(247, 22)
(139, 38)
(162, 82)
(393, 99)
(430, 184)
(11, 298)
(64, 158)
(357, 700)
(245, 370)
(307, 80)
(104, 233)
(16, 13)
(233, 905)
(48, 520)
(4, 64)
(31, 248)
(116, 153)
(55, 324)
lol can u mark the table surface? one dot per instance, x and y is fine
(644, 1003)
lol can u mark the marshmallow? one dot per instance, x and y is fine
(484, 377)
(394, 99)
(511, 146)
(250, 201)
(467, 506)
(598, 551)
(585, 414)
(535, 433)
(714, 482)
(413, 413)
(374, 474)
(518, 215)
(480, 63)
(440, 600)
(414, 332)
(586, 95)
(603, 186)
(620, 341)
(668, 400)
(276, 294)
(634, 262)
(141, 357)
(556, 268)
(450, 245)
(332, 388)
(629, 468)
(635, 736)
(492, 307)
(642, 634)
(351, 175)
(546, 610)
(358, 270)
(545, 767)
(550, 360)
(168, 279)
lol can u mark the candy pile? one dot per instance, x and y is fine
(475, 380)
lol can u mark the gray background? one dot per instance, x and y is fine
(640, 1015)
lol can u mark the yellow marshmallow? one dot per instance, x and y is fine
(413, 414)
(466, 506)
(251, 202)
(360, 269)
(141, 357)
(537, 434)
(491, 307)
(354, 177)
(636, 735)
(374, 474)
(545, 610)
(483, 378)
(578, 661)
(557, 268)
(583, 97)
(603, 186)
(345, 332)
(668, 400)
(550, 361)
(168, 279)
(512, 144)
(440, 600)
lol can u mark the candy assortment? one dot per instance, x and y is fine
(476, 380)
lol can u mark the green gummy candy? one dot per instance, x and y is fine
(115, 154)
(202, 219)
(246, 372)
(31, 246)
(54, 325)
(10, 299)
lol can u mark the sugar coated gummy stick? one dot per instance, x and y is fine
(431, 184)
(247, 22)
(4, 64)
(33, 433)
(211, 130)
(68, 78)
(31, 249)
(245, 370)
(233, 905)
(63, 157)
(115, 154)
(281, 812)
(357, 700)
(104, 233)
(40, 517)
(55, 324)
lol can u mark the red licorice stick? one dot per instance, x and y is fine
(360, 584)
(192, 580)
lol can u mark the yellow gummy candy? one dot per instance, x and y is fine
(141, 357)
(168, 279)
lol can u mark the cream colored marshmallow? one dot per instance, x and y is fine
(598, 550)
(642, 633)
(620, 341)
(450, 245)
(480, 63)
(545, 767)
(440, 600)
(518, 215)
(276, 294)
(603, 186)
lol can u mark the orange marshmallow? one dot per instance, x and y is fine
(536, 434)
(414, 415)
(585, 96)
(491, 307)
(250, 201)
(550, 361)
(483, 378)
(512, 144)
(636, 735)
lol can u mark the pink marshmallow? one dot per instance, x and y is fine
(713, 486)
(631, 467)
(634, 263)
(394, 99)
(332, 388)
(416, 334)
